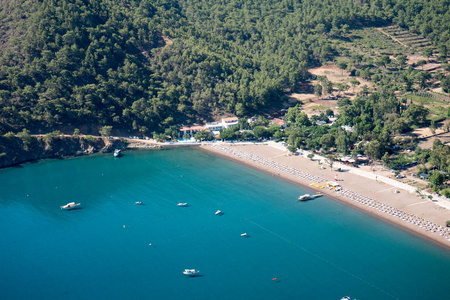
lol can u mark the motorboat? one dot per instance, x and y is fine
(244, 234)
(182, 204)
(346, 298)
(117, 152)
(70, 205)
(138, 203)
(304, 197)
(190, 272)
(218, 212)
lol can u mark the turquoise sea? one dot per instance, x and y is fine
(319, 249)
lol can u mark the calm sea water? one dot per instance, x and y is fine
(320, 249)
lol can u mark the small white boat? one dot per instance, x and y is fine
(117, 153)
(346, 298)
(182, 204)
(304, 197)
(70, 205)
(244, 234)
(138, 203)
(190, 272)
(218, 212)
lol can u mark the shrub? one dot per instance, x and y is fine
(445, 193)
(11, 134)
(89, 138)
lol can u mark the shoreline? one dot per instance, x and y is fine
(369, 196)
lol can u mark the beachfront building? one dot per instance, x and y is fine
(191, 130)
(279, 122)
(214, 126)
(225, 123)
(229, 122)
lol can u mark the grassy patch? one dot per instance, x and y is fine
(436, 118)
(319, 107)
(436, 106)
(425, 100)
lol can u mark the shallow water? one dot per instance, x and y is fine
(320, 249)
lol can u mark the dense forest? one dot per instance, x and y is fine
(67, 64)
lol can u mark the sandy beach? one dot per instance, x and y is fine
(385, 201)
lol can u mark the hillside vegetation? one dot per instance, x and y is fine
(69, 64)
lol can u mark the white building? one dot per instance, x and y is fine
(225, 123)
(229, 122)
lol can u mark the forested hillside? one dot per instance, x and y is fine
(66, 64)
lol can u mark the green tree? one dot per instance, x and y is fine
(445, 84)
(415, 114)
(384, 60)
(203, 136)
(105, 130)
(26, 138)
(297, 118)
(427, 52)
(374, 149)
(443, 52)
(436, 180)
(327, 141)
(385, 159)
(293, 138)
(401, 60)
(327, 87)
(292, 148)
(260, 132)
(243, 124)
(422, 78)
(248, 135)
(342, 65)
(365, 90)
(227, 134)
(366, 74)
(278, 135)
(421, 63)
(142, 129)
(318, 90)
(354, 82)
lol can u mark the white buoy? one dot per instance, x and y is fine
(150, 244)
(123, 226)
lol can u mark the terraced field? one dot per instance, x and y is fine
(415, 41)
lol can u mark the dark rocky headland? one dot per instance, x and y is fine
(15, 150)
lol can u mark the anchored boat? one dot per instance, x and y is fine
(190, 272)
(304, 197)
(70, 206)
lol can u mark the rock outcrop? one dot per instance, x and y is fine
(15, 150)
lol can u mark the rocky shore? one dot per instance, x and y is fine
(15, 150)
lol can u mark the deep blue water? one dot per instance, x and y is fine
(319, 249)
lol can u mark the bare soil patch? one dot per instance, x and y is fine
(312, 105)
